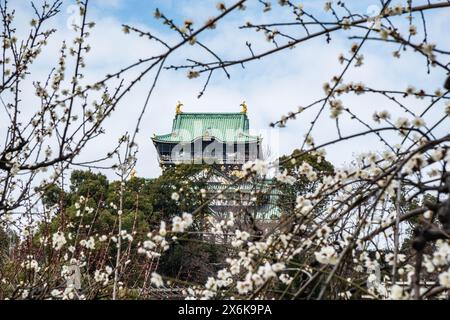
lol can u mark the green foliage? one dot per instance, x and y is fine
(88, 184)
(191, 260)
(4, 245)
(52, 195)
(8, 239)
(187, 181)
(93, 201)
(302, 185)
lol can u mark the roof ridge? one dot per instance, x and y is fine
(212, 113)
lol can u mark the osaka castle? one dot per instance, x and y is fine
(223, 141)
(209, 138)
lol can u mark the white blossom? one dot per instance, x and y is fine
(258, 166)
(175, 196)
(88, 244)
(157, 280)
(327, 255)
(444, 279)
(396, 293)
(285, 178)
(59, 240)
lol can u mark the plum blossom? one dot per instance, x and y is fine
(162, 229)
(157, 280)
(402, 123)
(244, 287)
(58, 240)
(181, 224)
(444, 279)
(397, 293)
(101, 277)
(55, 293)
(307, 170)
(258, 166)
(327, 255)
(285, 178)
(418, 122)
(31, 264)
(304, 205)
(88, 244)
(175, 196)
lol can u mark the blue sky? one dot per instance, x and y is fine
(272, 87)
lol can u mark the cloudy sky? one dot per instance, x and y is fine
(272, 87)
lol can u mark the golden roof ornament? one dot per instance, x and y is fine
(179, 105)
(244, 107)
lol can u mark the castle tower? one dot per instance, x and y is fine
(208, 138)
(223, 141)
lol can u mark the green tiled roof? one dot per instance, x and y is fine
(226, 127)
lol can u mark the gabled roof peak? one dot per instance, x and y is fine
(180, 105)
(224, 126)
(211, 114)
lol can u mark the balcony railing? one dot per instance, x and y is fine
(202, 159)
